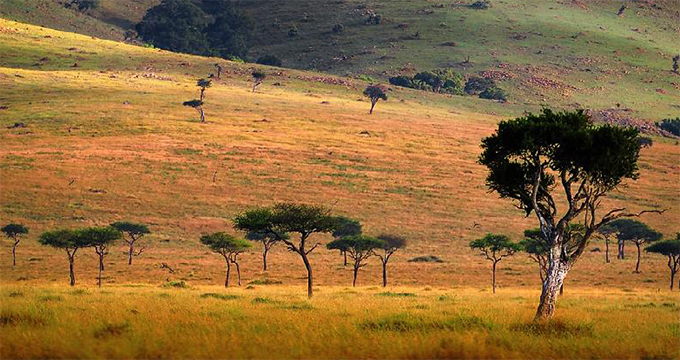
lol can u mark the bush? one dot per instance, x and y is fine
(645, 141)
(270, 60)
(338, 28)
(83, 5)
(481, 5)
(493, 93)
(427, 258)
(293, 32)
(441, 81)
(403, 81)
(476, 85)
(670, 125)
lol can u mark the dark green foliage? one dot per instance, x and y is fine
(670, 125)
(440, 81)
(480, 5)
(346, 227)
(409, 322)
(224, 244)
(338, 28)
(645, 141)
(493, 93)
(666, 247)
(258, 75)
(193, 103)
(13, 230)
(134, 230)
(403, 81)
(676, 59)
(564, 142)
(62, 239)
(219, 296)
(427, 258)
(495, 247)
(554, 328)
(476, 85)
(214, 28)
(375, 93)
(98, 236)
(270, 60)
(634, 230)
(83, 5)
(392, 242)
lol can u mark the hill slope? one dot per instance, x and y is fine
(107, 138)
(573, 54)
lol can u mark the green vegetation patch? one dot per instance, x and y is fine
(398, 294)
(408, 323)
(554, 328)
(219, 296)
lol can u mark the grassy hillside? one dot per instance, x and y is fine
(108, 140)
(573, 54)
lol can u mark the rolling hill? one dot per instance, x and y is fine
(94, 131)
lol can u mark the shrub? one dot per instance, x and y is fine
(554, 328)
(493, 93)
(481, 5)
(338, 28)
(176, 284)
(270, 60)
(403, 81)
(265, 282)
(441, 81)
(670, 125)
(293, 32)
(476, 85)
(393, 294)
(645, 141)
(427, 258)
(406, 323)
(219, 296)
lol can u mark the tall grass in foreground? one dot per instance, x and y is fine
(278, 322)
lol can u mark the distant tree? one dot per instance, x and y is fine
(671, 249)
(338, 28)
(176, 25)
(390, 245)
(229, 34)
(229, 247)
(375, 93)
(359, 248)
(67, 240)
(133, 232)
(99, 238)
(258, 78)
(676, 59)
(636, 232)
(83, 5)
(493, 93)
(495, 247)
(218, 67)
(346, 227)
(268, 240)
(270, 60)
(670, 125)
(202, 85)
(526, 156)
(198, 105)
(607, 232)
(476, 85)
(305, 220)
(14, 232)
(401, 80)
(538, 250)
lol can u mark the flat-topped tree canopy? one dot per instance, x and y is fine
(13, 230)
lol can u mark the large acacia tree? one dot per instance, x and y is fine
(533, 158)
(133, 232)
(636, 232)
(303, 219)
(68, 240)
(390, 245)
(14, 232)
(359, 248)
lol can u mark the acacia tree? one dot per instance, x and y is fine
(636, 232)
(346, 227)
(99, 238)
(229, 247)
(538, 250)
(14, 232)
(359, 248)
(67, 240)
(198, 105)
(268, 241)
(375, 93)
(134, 232)
(219, 70)
(606, 232)
(495, 247)
(671, 249)
(526, 158)
(290, 218)
(258, 78)
(202, 85)
(390, 245)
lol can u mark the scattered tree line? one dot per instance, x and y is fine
(670, 125)
(449, 82)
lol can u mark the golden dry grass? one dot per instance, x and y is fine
(109, 140)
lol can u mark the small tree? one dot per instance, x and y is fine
(346, 227)
(229, 247)
(99, 238)
(359, 248)
(529, 156)
(203, 84)
(538, 250)
(607, 232)
(134, 232)
(258, 78)
(67, 240)
(198, 105)
(495, 247)
(636, 232)
(676, 59)
(14, 232)
(671, 249)
(218, 67)
(390, 245)
(375, 93)
(286, 218)
(268, 240)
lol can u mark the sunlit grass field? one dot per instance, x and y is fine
(276, 322)
(109, 140)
